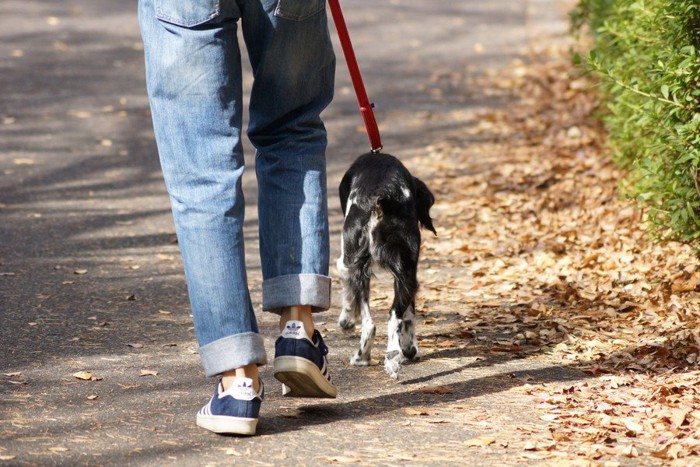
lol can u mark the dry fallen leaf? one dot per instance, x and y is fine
(629, 451)
(83, 114)
(480, 441)
(633, 425)
(678, 416)
(86, 376)
(148, 373)
(530, 446)
(686, 285)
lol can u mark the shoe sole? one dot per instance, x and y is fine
(302, 378)
(227, 425)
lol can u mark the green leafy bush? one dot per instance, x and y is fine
(646, 52)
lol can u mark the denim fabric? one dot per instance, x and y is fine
(193, 74)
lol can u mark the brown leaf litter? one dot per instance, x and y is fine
(543, 247)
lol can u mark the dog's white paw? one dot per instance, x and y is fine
(347, 321)
(392, 363)
(347, 326)
(416, 357)
(359, 360)
(412, 354)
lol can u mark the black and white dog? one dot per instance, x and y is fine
(383, 206)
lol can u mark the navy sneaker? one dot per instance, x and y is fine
(234, 411)
(301, 363)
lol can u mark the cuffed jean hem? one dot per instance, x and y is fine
(233, 352)
(297, 289)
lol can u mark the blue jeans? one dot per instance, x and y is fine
(193, 75)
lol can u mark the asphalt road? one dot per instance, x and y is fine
(90, 277)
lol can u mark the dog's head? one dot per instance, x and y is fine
(424, 201)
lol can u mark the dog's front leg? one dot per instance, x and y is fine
(402, 344)
(407, 334)
(394, 355)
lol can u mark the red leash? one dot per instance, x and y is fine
(365, 105)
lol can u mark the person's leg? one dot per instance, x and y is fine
(193, 76)
(294, 70)
(301, 313)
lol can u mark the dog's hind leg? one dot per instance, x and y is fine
(355, 268)
(358, 292)
(350, 311)
(402, 343)
(353, 265)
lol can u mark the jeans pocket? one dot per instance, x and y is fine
(299, 10)
(187, 13)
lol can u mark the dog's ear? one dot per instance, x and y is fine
(424, 201)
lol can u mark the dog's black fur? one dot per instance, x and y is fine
(383, 206)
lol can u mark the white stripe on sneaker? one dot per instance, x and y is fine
(325, 371)
(206, 410)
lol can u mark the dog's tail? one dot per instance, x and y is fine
(385, 202)
(424, 201)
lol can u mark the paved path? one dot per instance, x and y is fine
(90, 279)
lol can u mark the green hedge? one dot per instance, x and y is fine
(646, 52)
